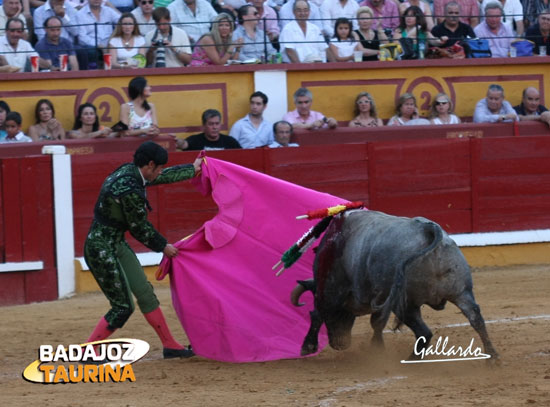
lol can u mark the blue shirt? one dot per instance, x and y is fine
(69, 30)
(107, 20)
(249, 136)
(482, 114)
(253, 48)
(50, 51)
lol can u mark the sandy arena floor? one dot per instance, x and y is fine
(515, 301)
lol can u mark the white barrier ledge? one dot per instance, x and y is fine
(145, 259)
(22, 266)
(502, 238)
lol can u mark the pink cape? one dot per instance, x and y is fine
(225, 293)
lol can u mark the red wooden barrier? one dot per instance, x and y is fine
(388, 133)
(27, 230)
(84, 147)
(466, 184)
(512, 183)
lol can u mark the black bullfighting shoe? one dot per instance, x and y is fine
(178, 353)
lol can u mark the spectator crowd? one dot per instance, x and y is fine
(58, 35)
(138, 118)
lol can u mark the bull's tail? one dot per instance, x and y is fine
(397, 299)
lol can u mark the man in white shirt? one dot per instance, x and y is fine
(10, 9)
(144, 16)
(253, 130)
(168, 46)
(286, 14)
(301, 40)
(15, 50)
(192, 16)
(333, 9)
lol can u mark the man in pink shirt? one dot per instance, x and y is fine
(385, 12)
(469, 11)
(271, 23)
(305, 118)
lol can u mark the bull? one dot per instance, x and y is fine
(372, 263)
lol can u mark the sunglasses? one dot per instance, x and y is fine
(16, 30)
(441, 103)
(147, 2)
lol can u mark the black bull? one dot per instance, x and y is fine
(372, 263)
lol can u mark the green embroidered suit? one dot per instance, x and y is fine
(122, 206)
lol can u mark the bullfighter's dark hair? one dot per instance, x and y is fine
(150, 151)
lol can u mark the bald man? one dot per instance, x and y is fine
(530, 107)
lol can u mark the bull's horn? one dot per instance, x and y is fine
(296, 294)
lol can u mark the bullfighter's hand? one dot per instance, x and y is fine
(170, 251)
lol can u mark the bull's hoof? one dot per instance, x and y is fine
(308, 349)
(494, 360)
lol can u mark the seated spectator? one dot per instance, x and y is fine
(144, 16)
(405, 110)
(344, 43)
(493, 108)
(530, 107)
(413, 25)
(305, 118)
(423, 6)
(167, 46)
(441, 111)
(270, 16)
(139, 115)
(532, 9)
(451, 26)
(52, 45)
(64, 12)
(286, 14)
(540, 32)
(124, 6)
(87, 17)
(4, 110)
(512, 12)
(370, 38)
(192, 16)
(46, 127)
(331, 10)
(386, 14)
(469, 11)
(86, 124)
(252, 37)
(365, 112)
(302, 41)
(126, 42)
(11, 9)
(253, 130)
(13, 129)
(210, 138)
(283, 132)
(15, 50)
(499, 35)
(217, 47)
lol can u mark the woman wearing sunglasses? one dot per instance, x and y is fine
(252, 37)
(441, 111)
